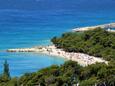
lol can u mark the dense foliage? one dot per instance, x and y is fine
(68, 74)
(96, 42)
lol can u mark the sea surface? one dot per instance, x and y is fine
(31, 23)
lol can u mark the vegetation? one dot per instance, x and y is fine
(5, 77)
(98, 42)
(68, 74)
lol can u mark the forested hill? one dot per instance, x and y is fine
(68, 74)
(99, 43)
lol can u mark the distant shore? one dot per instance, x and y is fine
(109, 27)
(82, 59)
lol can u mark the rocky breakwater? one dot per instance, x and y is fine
(22, 50)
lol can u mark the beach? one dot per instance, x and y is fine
(81, 58)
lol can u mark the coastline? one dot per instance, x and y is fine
(107, 27)
(81, 58)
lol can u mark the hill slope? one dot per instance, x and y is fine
(98, 42)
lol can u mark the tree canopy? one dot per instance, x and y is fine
(68, 74)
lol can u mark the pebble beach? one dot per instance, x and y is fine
(81, 58)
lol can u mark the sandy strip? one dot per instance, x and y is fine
(107, 27)
(82, 59)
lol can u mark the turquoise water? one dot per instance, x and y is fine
(21, 63)
(33, 26)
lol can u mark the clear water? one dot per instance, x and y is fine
(36, 22)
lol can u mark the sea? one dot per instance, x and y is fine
(28, 23)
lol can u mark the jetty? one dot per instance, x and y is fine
(21, 50)
(34, 49)
(81, 58)
(109, 27)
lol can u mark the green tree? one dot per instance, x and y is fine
(90, 82)
(6, 73)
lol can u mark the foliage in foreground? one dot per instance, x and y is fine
(96, 42)
(69, 73)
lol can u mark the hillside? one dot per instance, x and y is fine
(98, 42)
(68, 74)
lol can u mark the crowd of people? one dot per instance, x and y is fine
(81, 58)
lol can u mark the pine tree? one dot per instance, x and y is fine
(6, 73)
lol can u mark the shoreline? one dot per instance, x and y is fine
(81, 58)
(108, 27)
